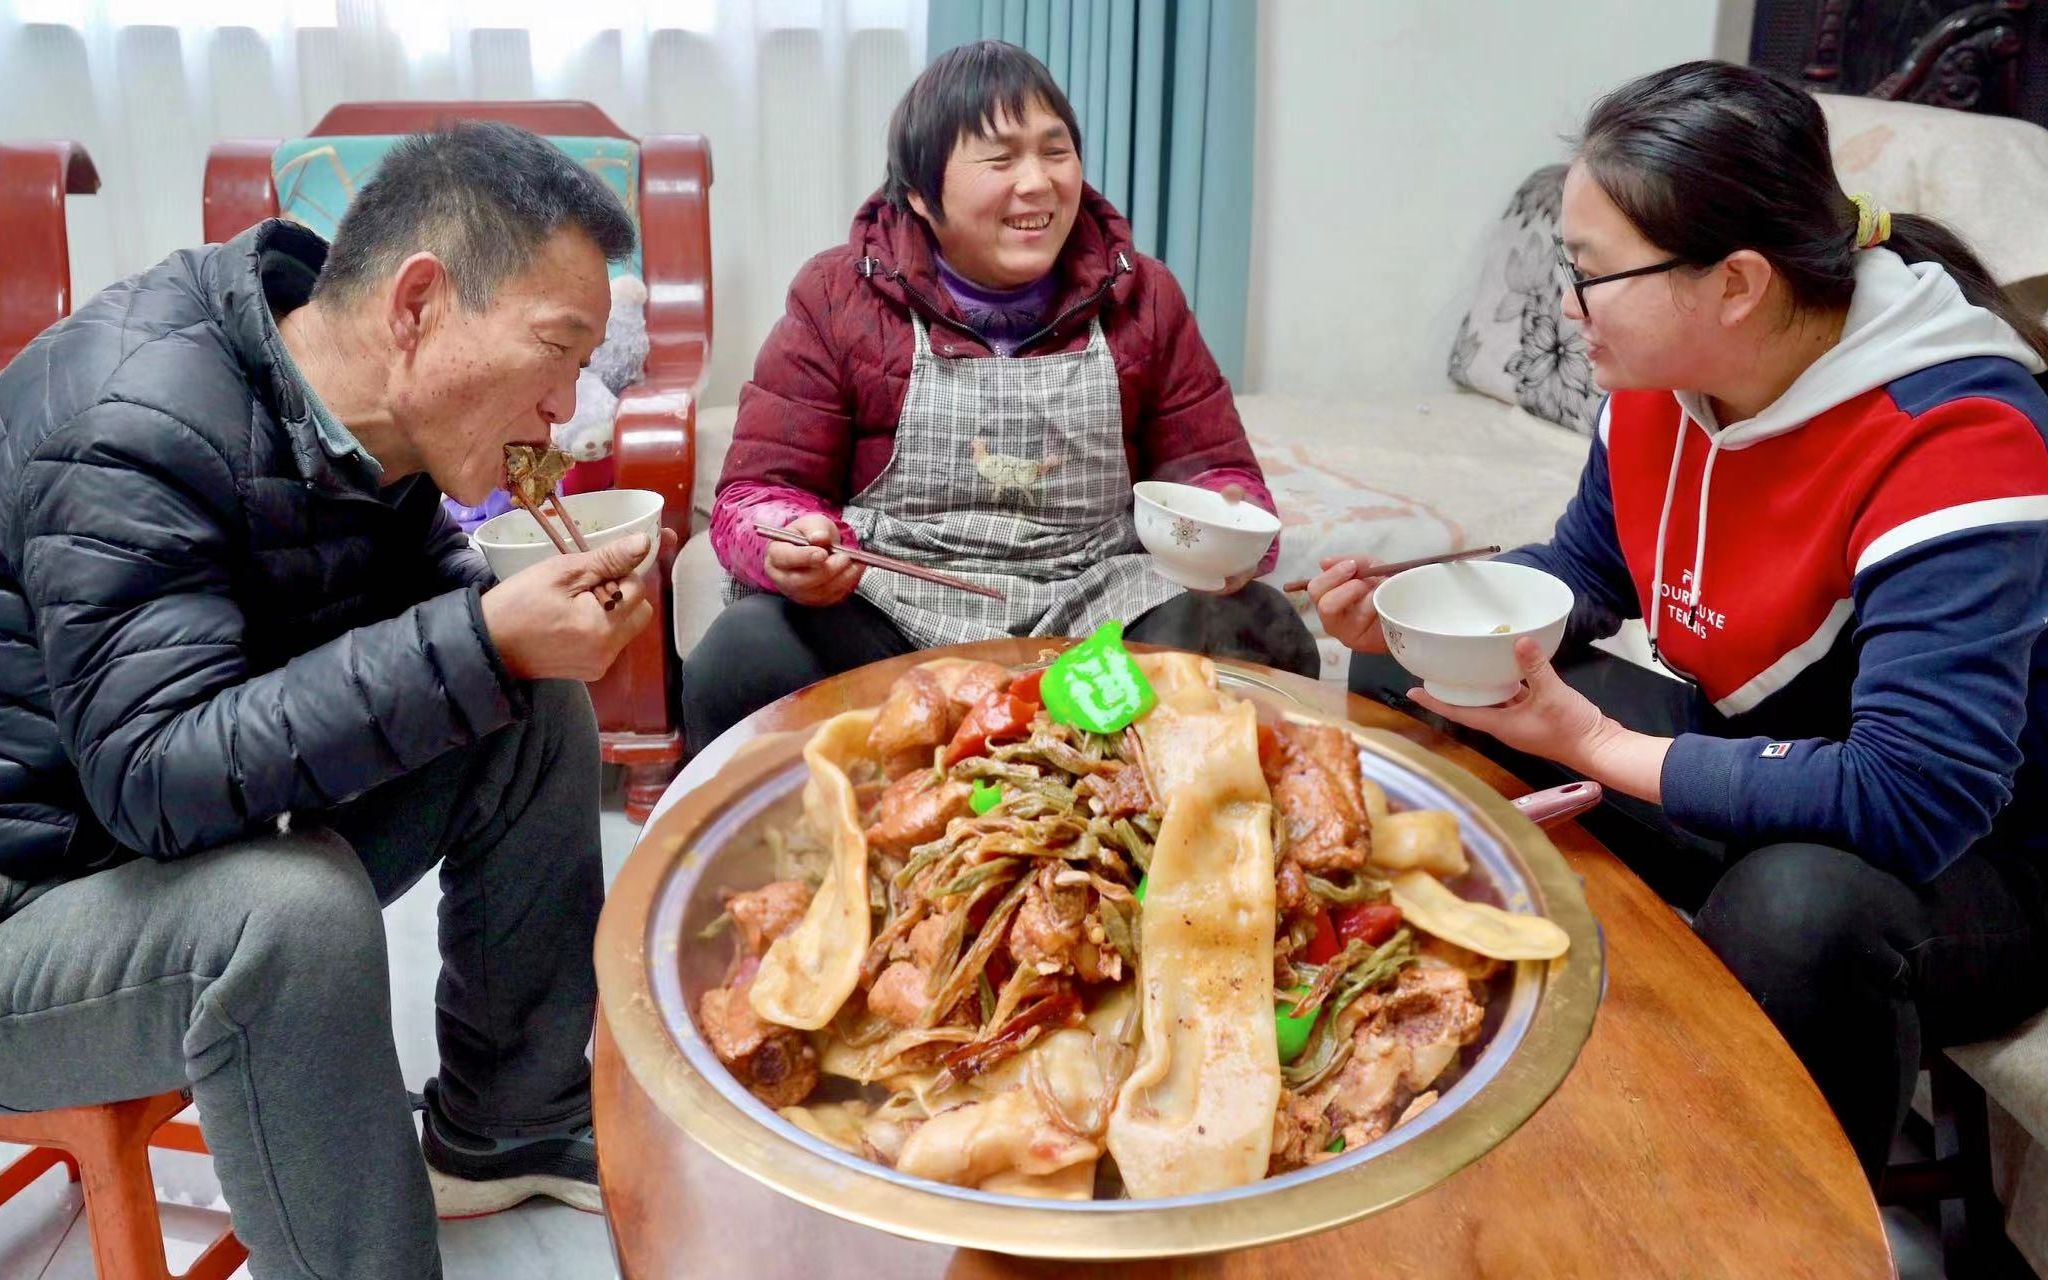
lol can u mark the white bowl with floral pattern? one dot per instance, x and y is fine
(1199, 538)
(1455, 625)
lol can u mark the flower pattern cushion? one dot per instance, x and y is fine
(1515, 343)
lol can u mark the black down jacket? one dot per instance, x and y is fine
(205, 620)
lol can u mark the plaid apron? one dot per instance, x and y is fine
(1009, 472)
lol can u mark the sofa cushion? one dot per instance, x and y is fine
(1397, 479)
(1408, 477)
(317, 177)
(1515, 343)
(714, 441)
(2014, 1070)
(1985, 177)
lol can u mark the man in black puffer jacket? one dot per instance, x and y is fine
(254, 683)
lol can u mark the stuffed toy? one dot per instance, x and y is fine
(614, 366)
(623, 357)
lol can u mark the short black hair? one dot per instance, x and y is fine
(481, 196)
(961, 93)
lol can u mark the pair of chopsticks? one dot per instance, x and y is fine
(1389, 570)
(875, 561)
(554, 503)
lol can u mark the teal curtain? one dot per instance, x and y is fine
(1163, 90)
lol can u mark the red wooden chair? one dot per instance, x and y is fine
(655, 439)
(107, 1149)
(35, 266)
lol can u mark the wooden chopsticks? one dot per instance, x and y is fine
(554, 503)
(875, 561)
(1389, 570)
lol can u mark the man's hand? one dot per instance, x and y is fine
(549, 621)
(815, 575)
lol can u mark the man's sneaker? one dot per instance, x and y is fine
(474, 1175)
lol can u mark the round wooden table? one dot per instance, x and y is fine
(1687, 1141)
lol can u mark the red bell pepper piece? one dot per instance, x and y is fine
(999, 714)
(1324, 946)
(1371, 923)
(1027, 685)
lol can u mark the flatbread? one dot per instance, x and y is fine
(811, 970)
(1196, 1113)
(1476, 926)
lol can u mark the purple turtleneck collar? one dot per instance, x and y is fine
(1003, 317)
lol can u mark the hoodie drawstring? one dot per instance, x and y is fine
(1664, 527)
(1699, 561)
(1699, 553)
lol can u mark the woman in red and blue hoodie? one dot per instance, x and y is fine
(1821, 479)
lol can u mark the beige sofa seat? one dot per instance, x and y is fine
(2013, 1073)
(697, 583)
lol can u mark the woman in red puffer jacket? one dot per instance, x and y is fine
(972, 382)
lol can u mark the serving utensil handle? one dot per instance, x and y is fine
(1555, 804)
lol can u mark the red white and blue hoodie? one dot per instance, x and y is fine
(1856, 580)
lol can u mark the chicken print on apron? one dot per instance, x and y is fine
(1012, 473)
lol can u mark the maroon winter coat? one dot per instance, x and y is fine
(818, 421)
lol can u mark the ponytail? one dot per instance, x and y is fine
(1918, 239)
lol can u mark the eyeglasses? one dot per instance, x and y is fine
(1568, 275)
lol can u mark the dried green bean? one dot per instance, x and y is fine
(1364, 887)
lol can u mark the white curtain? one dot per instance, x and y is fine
(793, 94)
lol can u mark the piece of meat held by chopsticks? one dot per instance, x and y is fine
(531, 474)
(534, 471)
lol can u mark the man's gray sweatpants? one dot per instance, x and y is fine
(255, 975)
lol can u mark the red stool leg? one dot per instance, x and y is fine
(107, 1149)
(226, 1252)
(112, 1145)
(220, 1259)
(179, 1135)
(29, 1166)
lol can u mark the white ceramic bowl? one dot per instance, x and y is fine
(513, 541)
(1196, 537)
(1455, 625)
